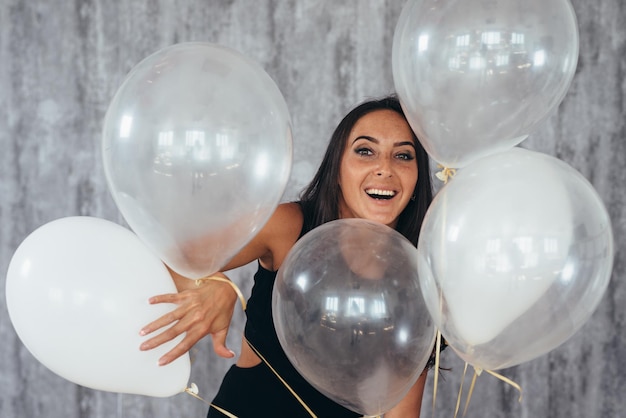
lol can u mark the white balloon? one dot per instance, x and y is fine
(529, 232)
(77, 293)
(515, 253)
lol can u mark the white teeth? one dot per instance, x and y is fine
(380, 192)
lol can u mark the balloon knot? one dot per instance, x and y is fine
(445, 174)
(192, 390)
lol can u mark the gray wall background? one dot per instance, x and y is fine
(62, 61)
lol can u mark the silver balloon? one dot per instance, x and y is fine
(197, 152)
(476, 77)
(515, 254)
(350, 316)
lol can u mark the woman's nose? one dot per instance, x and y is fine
(384, 168)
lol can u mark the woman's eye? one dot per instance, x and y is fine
(363, 151)
(405, 156)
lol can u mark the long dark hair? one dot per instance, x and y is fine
(320, 199)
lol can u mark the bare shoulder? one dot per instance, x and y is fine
(281, 232)
(272, 243)
(290, 213)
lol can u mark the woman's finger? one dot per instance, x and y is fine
(163, 321)
(166, 298)
(167, 335)
(219, 344)
(181, 348)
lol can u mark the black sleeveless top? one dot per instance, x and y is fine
(261, 334)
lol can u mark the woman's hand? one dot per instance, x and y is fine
(202, 310)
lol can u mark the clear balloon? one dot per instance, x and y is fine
(197, 152)
(515, 254)
(77, 293)
(349, 314)
(476, 77)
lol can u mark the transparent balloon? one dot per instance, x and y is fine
(197, 151)
(515, 254)
(77, 291)
(350, 315)
(476, 77)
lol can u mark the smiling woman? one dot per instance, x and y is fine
(374, 168)
(62, 62)
(378, 173)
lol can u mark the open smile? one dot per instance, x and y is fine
(381, 193)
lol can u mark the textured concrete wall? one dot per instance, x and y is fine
(61, 62)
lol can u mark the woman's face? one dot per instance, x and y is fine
(378, 170)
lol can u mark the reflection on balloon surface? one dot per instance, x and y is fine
(477, 77)
(350, 316)
(197, 152)
(515, 254)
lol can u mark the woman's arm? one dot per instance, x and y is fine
(411, 405)
(208, 308)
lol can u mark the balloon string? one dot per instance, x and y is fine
(471, 390)
(458, 398)
(477, 372)
(293, 392)
(193, 391)
(243, 305)
(445, 174)
(508, 381)
(221, 279)
(436, 380)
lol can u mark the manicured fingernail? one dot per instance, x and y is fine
(162, 362)
(233, 353)
(142, 332)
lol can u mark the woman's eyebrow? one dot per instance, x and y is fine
(399, 144)
(372, 139)
(369, 138)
